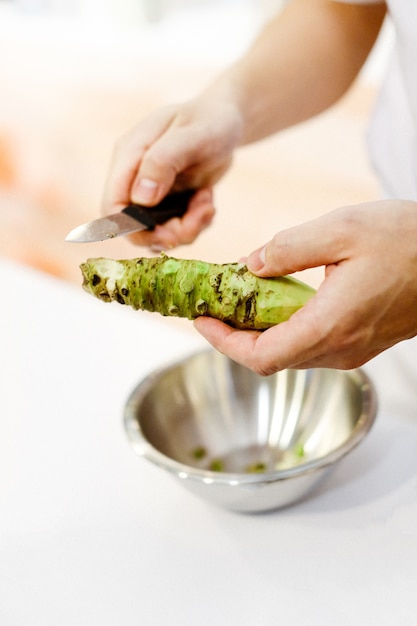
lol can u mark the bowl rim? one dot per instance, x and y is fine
(145, 449)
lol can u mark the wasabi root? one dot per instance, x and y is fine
(190, 289)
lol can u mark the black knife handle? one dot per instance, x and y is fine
(173, 205)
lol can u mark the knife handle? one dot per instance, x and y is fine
(173, 205)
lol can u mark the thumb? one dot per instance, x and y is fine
(161, 164)
(318, 242)
(155, 177)
(126, 165)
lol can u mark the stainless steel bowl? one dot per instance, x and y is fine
(245, 442)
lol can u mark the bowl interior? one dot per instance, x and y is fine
(210, 413)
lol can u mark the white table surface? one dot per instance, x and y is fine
(92, 535)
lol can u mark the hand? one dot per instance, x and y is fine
(366, 303)
(181, 147)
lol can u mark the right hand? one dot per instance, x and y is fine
(187, 146)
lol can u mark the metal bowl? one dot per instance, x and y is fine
(246, 442)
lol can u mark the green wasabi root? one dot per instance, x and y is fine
(185, 288)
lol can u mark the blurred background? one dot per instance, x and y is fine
(77, 74)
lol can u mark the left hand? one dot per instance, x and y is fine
(366, 303)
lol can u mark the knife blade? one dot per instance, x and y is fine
(131, 219)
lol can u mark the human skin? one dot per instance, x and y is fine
(366, 303)
(302, 62)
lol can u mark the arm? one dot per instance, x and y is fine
(300, 64)
(303, 62)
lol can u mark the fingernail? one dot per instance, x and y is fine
(145, 190)
(204, 195)
(157, 248)
(257, 260)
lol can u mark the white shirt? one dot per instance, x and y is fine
(392, 133)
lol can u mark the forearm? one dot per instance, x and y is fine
(304, 60)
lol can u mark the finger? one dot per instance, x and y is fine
(257, 352)
(336, 328)
(318, 242)
(198, 216)
(175, 232)
(169, 163)
(282, 346)
(127, 158)
(323, 326)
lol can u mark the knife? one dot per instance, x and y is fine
(131, 219)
